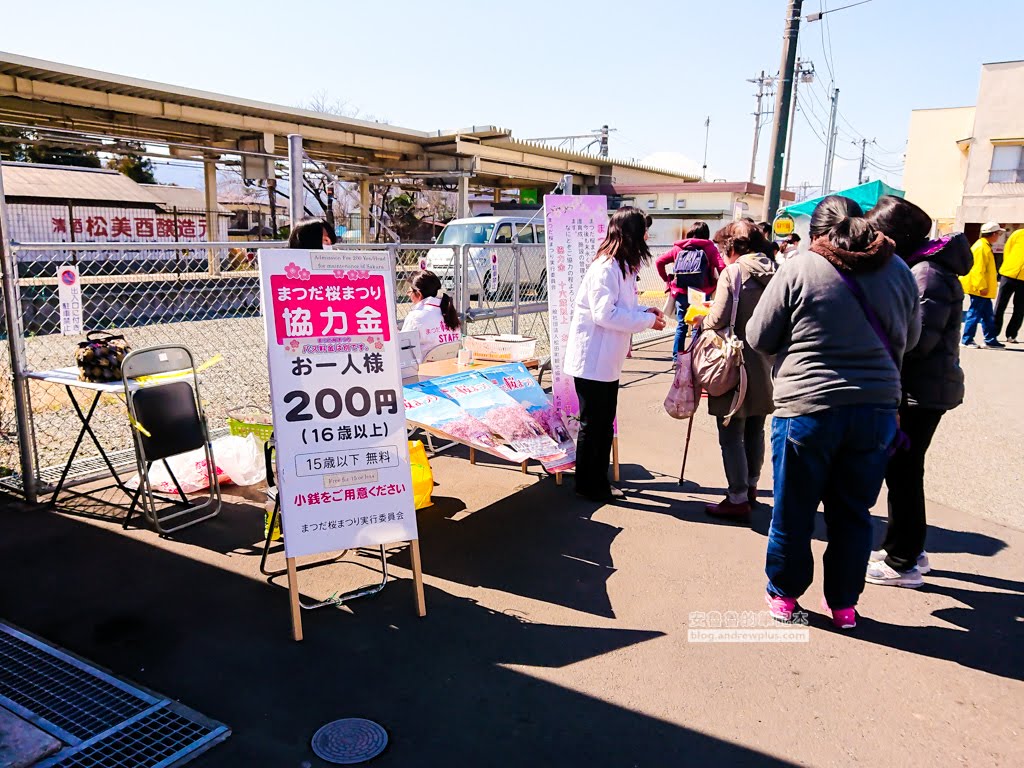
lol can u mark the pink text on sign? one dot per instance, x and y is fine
(315, 306)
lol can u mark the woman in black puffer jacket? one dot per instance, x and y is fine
(933, 381)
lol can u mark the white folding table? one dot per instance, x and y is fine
(68, 378)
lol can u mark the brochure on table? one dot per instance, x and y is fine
(515, 379)
(426, 406)
(485, 410)
(335, 382)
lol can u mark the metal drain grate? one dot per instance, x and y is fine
(144, 742)
(56, 690)
(101, 720)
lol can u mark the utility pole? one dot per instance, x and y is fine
(707, 132)
(863, 159)
(830, 145)
(272, 197)
(782, 102)
(761, 82)
(804, 74)
(604, 141)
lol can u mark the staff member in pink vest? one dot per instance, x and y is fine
(434, 315)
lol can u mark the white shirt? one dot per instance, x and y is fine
(426, 318)
(606, 314)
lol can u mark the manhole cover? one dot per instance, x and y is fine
(349, 741)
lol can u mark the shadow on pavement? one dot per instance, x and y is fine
(990, 626)
(539, 543)
(220, 642)
(646, 498)
(988, 631)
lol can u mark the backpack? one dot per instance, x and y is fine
(691, 269)
(718, 357)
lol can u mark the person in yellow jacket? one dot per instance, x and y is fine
(1011, 286)
(980, 285)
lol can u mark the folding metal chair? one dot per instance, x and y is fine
(409, 353)
(167, 419)
(445, 351)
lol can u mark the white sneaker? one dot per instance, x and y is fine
(880, 573)
(923, 566)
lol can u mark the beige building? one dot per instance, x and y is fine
(675, 207)
(965, 165)
(936, 163)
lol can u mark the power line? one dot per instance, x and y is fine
(879, 167)
(823, 9)
(822, 141)
(900, 151)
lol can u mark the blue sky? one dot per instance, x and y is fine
(653, 71)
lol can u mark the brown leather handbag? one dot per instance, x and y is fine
(718, 356)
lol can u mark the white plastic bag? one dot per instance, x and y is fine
(240, 458)
(189, 469)
(681, 401)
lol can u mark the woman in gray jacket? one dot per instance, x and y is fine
(838, 319)
(742, 440)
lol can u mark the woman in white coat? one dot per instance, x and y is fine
(434, 315)
(605, 315)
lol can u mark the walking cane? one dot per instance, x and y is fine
(689, 428)
(686, 452)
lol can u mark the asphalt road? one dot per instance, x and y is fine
(976, 461)
(558, 633)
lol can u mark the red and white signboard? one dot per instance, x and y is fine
(336, 392)
(31, 223)
(69, 294)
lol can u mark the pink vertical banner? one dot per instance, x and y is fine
(575, 226)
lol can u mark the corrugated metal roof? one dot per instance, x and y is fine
(103, 82)
(63, 182)
(182, 198)
(547, 150)
(106, 82)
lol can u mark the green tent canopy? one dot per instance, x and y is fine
(866, 195)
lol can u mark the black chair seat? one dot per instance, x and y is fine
(168, 412)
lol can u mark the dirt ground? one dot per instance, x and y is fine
(557, 632)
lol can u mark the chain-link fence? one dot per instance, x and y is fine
(652, 293)
(8, 422)
(206, 297)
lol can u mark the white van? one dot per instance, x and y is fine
(490, 269)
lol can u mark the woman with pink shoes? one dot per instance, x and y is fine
(838, 319)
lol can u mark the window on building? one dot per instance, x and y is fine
(239, 219)
(680, 203)
(652, 202)
(541, 237)
(1007, 164)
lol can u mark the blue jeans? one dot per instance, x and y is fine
(681, 328)
(980, 311)
(837, 456)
